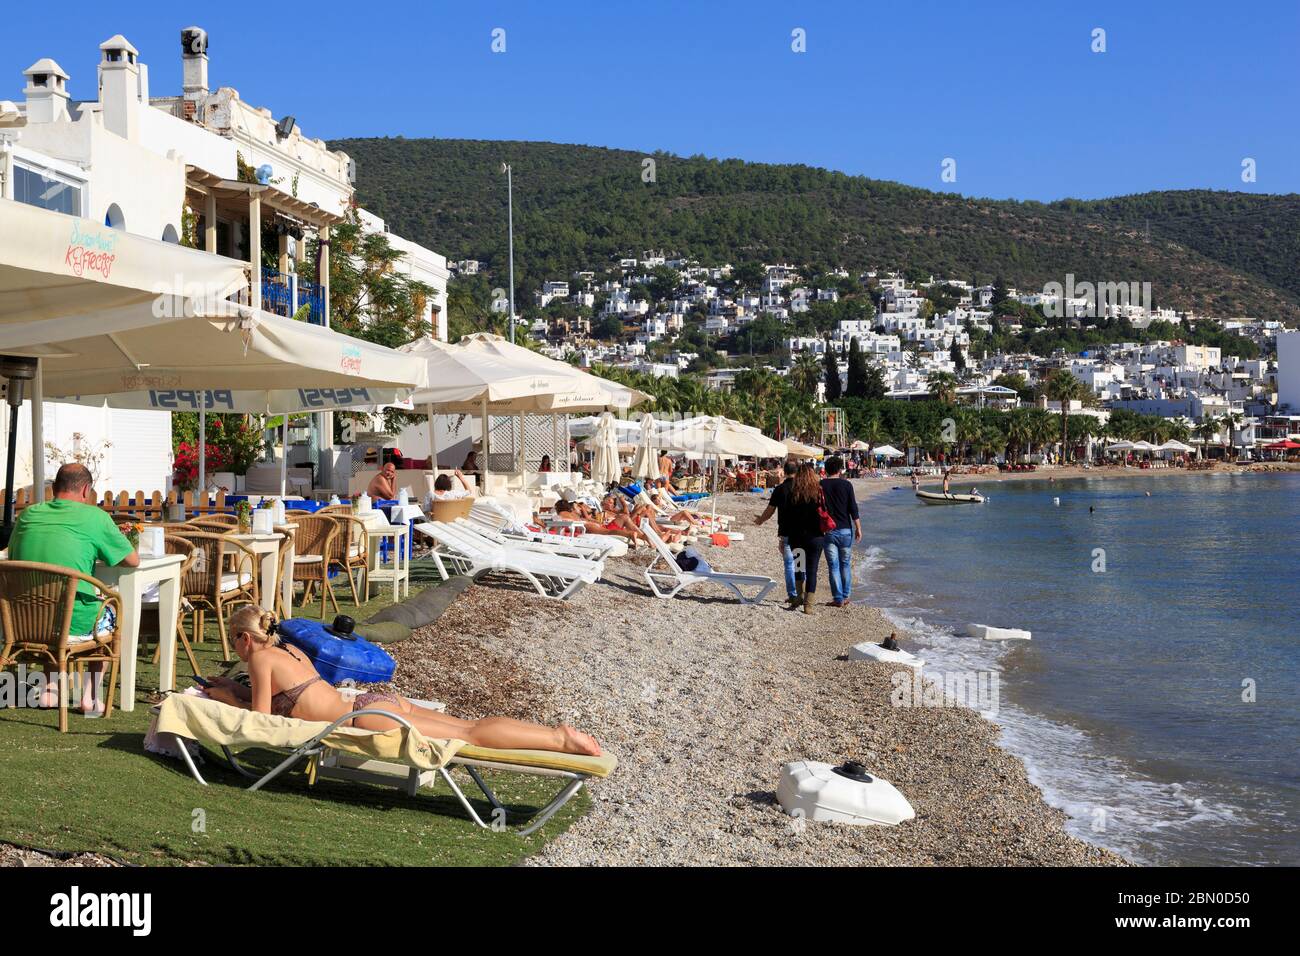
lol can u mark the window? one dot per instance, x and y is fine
(46, 190)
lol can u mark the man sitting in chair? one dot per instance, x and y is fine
(71, 531)
(384, 485)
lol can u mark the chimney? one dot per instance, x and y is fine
(194, 70)
(119, 87)
(46, 91)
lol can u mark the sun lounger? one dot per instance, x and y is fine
(670, 580)
(402, 757)
(495, 522)
(553, 576)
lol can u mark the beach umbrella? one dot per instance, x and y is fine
(886, 451)
(646, 464)
(1175, 445)
(797, 449)
(605, 467)
(1120, 446)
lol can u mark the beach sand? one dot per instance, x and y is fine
(703, 700)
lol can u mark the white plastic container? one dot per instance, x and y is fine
(262, 521)
(151, 543)
(999, 633)
(845, 794)
(364, 506)
(867, 651)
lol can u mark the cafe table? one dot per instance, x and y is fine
(266, 545)
(131, 585)
(398, 571)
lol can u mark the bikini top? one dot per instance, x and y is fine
(283, 703)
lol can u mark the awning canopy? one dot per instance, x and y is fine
(132, 349)
(886, 451)
(57, 266)
(510, 378)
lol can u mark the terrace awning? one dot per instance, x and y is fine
(56, 266)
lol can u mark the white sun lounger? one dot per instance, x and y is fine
(401, 757)
(671, 580)
(561, 547)
(552, 576)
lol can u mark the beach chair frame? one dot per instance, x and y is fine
(671, 581)
(552, 576)
(407, 779)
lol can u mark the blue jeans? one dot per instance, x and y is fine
(790, 588)
(839, 562)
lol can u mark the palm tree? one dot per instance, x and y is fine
(806, 373)
(1061, 386)
(1019, 430)
(1205, 431)
(943, 385)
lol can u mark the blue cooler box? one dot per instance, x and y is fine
(338, 658)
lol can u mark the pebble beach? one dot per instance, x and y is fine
(703, 700)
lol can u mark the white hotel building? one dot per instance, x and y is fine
(154, 166)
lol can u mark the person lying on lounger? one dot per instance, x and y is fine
(594, 523)
(285, 683)
(635, 514)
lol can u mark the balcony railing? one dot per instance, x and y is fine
(284, 294)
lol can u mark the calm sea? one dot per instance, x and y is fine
(1157, 703)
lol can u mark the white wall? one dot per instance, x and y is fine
(1288, 370)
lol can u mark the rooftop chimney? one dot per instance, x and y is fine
(119, 86)
(46, 91)
(194, 69)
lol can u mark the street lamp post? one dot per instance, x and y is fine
(510, 213)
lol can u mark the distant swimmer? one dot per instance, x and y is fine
(1091, 509)
(1148, 494)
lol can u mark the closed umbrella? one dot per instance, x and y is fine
(645, 466)
(605, 467)
(798, 449)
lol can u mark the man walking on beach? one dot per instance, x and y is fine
(776, 504)
(842, 504)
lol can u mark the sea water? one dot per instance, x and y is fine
(1158, 702)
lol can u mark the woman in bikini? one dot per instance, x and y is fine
(285, 683)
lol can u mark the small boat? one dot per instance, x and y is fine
(867, 651)
(938, 498)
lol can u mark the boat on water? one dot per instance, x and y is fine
(938, 498)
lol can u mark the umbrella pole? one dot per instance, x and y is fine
(433, 441)
(38, 435)
(485, 469)
(284, 454)
(203, 448)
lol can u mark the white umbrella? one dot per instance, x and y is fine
(646, 464)
(1143, 446)
(714, 435)
(886, 451)
(605, 467)
(1174, 445)
(1120, 446)
(798, 449)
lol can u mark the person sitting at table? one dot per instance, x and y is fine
(470, 463)
(71, 531)
(283, 682)
(384, 485)
(444, 489)
(545, 465)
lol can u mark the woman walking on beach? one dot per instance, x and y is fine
(807, 539)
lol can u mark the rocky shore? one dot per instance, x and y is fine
(703, 700)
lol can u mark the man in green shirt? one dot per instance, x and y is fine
(71, 531)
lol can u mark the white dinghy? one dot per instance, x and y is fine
(998, 633)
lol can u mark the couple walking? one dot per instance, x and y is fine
(805, 509)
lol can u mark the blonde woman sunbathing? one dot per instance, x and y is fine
(285, 683)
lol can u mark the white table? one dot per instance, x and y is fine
(267, 549)
(399, 571)
(130, 583)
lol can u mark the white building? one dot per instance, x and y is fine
(1288, 370)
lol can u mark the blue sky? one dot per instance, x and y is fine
(1009, 90)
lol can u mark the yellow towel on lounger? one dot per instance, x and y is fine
(601, 766)
(217, 724)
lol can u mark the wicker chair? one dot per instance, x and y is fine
(36, 605)
(311, 562)
(173, 544)
(351, 552)
(214, 521)
(210, 585)
(290, 540)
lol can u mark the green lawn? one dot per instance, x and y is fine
(96, 789)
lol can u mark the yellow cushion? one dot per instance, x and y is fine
(601, 766)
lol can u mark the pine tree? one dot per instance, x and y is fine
(833, 388)
(954, 353)
(857, 386)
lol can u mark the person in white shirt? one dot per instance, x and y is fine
(444, 489)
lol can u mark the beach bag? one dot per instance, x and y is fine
(824, 519)
(691, 561)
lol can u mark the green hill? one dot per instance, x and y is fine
(1225, 254)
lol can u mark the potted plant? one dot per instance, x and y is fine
(131, 532)
(244, 514)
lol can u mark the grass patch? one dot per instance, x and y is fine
(96, 789)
